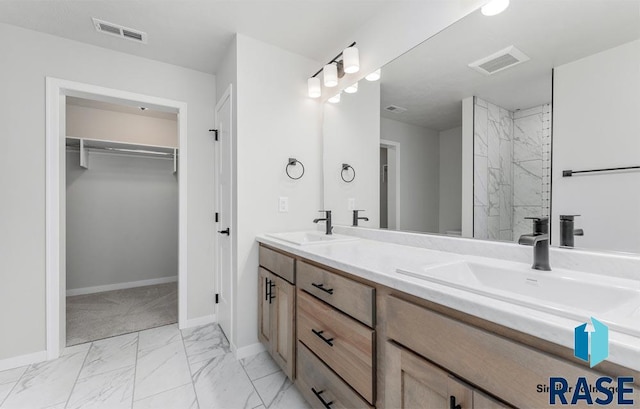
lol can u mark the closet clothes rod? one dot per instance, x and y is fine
(569, 173)
(129, 151)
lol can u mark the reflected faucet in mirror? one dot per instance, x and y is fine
(327, 220)
(356, 218)
(539, 239)
(567, 231)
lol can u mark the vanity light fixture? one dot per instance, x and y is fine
(374, 76)
(335, 99)
(494, 7)
(347, 61)
(352, 89)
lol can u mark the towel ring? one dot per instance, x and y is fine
(294, 162)
(346, 167)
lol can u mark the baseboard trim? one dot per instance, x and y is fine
(249, 350)
(120, 286)
(195, 322)
(22, 360)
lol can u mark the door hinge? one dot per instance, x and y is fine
(217, 298)
(217, 217)
(215, 133)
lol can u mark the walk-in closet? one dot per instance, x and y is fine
(121, 219)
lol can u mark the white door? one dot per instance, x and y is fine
(223, 227)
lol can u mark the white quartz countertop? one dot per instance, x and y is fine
(378, 262)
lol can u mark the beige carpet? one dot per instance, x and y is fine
(103, 315)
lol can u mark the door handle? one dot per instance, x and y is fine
(225, 231)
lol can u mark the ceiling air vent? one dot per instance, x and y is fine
(501, 60)
(119, 31)
(395, 109)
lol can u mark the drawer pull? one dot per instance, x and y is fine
(271, 295)
(326, 404)
(321, 287)
(452, 403)
(266, 289)
(319, 335)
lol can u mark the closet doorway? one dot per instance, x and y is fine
(116, 213)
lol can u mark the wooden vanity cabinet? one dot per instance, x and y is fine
(276, 308)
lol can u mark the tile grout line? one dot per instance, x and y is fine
(135, 370)
(15, 384)
(193, 385)
(252, 384)
(84, 361)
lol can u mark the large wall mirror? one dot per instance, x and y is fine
(477, 129)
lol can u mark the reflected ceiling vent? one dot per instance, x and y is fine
(503, 59)
(395, 109)
(119, 31)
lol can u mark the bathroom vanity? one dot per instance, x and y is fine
(360, 333)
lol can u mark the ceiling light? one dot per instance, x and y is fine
(374, 76)
(351, 89)
(494, 7)
(330, 74)
(351, 60)
(313, 85)
(335, 99)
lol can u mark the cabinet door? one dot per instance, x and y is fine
(481, 401)
(264, 311)
(283, 324)
(413, 382)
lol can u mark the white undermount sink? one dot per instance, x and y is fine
(562, 292)
(304, 238)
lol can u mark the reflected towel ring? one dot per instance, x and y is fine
(346, 166)
(294, 162)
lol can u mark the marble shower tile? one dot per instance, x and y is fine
(12, 375)
(506, 162)
(528, 112)
(46, 383)
(493, 144)
(278, 392)
(480, 220)
(109, 390)
(520, 225)
(506, 235)
(221, 382)
(480, 181)
(493, 227)
(205, 342)
(183, 397)
(506, 125)
(259, 365)
(493, 112)
(109, 354)
(527, 183)
(480, 124)
(506, 207)
(161, 366)
(494, 191)
(481, 102)
(527, 138)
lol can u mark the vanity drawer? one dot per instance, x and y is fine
(350, 297)
(344, 344)
(316, 381)
(278, 263)
(509, 369)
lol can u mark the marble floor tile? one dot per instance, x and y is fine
(109, 390)
(183, 397)
(161, 366)
(76, 348)
(156, 337)
(60, 405)
(109, 354)
(259, 365)
(221, 382)
(46, 383)
(278, 392)
(5, 388)
(205, 342)
(12, 375)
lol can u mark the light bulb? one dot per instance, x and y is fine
(351, 89)
(330, 75)
(374, 76)
(351, 60)
(335, 99)
(494, 7)
(313, 85)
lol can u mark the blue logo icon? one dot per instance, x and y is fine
(599, 342)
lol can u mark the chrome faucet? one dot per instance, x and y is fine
(567, 232)
(539, 239)
(327, 219)
(356, 218)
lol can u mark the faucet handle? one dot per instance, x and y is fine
(538, 219)
(568, 217)
(325, 211)
(540, 224)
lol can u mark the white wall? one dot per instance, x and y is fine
(596, 124)
(351, 134)
(419, 174)
(450, 213)
(27, 58)
(92, 123)
(122, 220)
(275, 121)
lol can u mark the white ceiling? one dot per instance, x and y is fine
(195, 34)
(432, 79)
